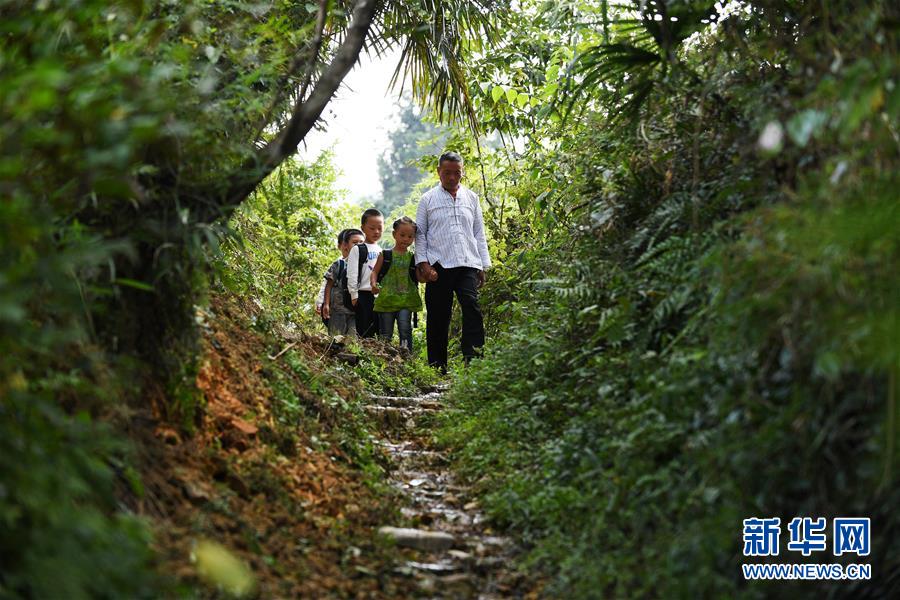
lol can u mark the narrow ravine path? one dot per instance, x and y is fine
(449, 549)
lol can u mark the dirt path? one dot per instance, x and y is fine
(450, 552)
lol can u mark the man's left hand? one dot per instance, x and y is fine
(481, 277)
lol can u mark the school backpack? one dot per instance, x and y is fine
(342, 273)
(342, 285)
(388, 258)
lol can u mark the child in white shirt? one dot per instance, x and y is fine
(359, 273)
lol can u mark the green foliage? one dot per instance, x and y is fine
(283, 239)
(61, 531)
(108, 127)
(437, 37)
(695, 328)
(393, 374)
(306, 395)
(60, 534)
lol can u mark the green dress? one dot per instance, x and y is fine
(398, 291)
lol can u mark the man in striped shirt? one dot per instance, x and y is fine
(452, 256)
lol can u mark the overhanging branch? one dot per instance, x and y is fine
(299, 59)
(317, 46)
(253, 170)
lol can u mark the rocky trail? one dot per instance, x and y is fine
(449, 550)
(266, 479)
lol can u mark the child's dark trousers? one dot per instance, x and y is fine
(403, 317)
(366, 322)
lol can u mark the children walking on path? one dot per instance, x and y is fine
(338, 311)
(394, 280)
(321, 298)
(359, 270)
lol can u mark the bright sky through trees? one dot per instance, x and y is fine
(357, 122)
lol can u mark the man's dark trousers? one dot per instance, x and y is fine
(439, 302)
(366, 324)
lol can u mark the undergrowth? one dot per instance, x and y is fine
(707, 332)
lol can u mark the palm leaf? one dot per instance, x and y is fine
(643, 52)
(435, 39)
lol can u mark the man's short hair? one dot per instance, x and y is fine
(370, 212)
(349, 233)
(450, 157)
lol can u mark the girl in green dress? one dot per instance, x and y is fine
(394, 280)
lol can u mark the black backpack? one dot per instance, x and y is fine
(341, 280)
(342, 273)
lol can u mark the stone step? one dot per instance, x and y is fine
(400, 401)
(438, 388)
(439, 568)
(407, 402)
(411, 410)
(392, 416)
(419, 539)
(430, 458)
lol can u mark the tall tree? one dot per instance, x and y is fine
(146, 124)
(410, 139)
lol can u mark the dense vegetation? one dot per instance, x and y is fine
(696, 312)
(131, 131)
(693, 318)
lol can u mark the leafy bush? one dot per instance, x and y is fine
(707, 328)
(60, 532)
(283, 239)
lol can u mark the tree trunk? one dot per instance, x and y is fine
(159, 326)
